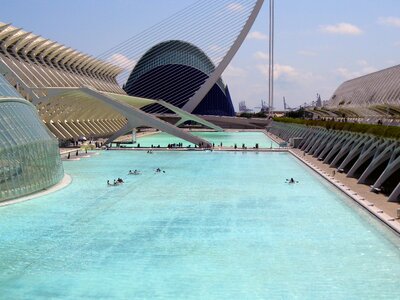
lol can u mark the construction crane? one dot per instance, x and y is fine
(285, 106)
(263, 108)
(243, 107)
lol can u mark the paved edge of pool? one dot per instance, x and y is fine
(67, 179)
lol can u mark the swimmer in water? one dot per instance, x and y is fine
(291, 180)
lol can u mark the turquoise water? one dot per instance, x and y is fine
(228, 139)
(216, 225)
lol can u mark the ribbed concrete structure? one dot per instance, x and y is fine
(370, 95)
(75, 94)
(33, 64)
(372, 160)
(43, 62)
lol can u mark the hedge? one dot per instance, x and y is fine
(376, 130)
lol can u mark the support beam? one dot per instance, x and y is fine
(185, 116)
(138, 118)
(389, 171)
(376, 162)
(395, 195)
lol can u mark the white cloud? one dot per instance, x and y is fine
(263, 69)
(261, 55)
(280, 71)
(284, 70)
(389, 21)
(122, 61)
(341, 28)
(345, 73)
(362, 63)
(350, 74)
(257, 35)
(307, 53)
(232, 71)
(235, 7)
(297, 85)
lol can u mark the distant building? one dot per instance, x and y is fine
(173, 71)
(373, 94)
(319, 101)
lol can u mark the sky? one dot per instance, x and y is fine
(318, 44)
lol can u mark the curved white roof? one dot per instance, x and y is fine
(378, 88)
(19, 42)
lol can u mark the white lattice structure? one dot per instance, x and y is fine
(74, 93)
(40, 62)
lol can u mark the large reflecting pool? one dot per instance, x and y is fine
(215, 225)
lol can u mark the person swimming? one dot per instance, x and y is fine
(291, 180)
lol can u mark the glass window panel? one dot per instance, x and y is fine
(29, 154)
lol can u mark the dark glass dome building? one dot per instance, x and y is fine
(29, 154)
(173, 71)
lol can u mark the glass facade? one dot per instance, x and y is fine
(29, 155)
(6, 90)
